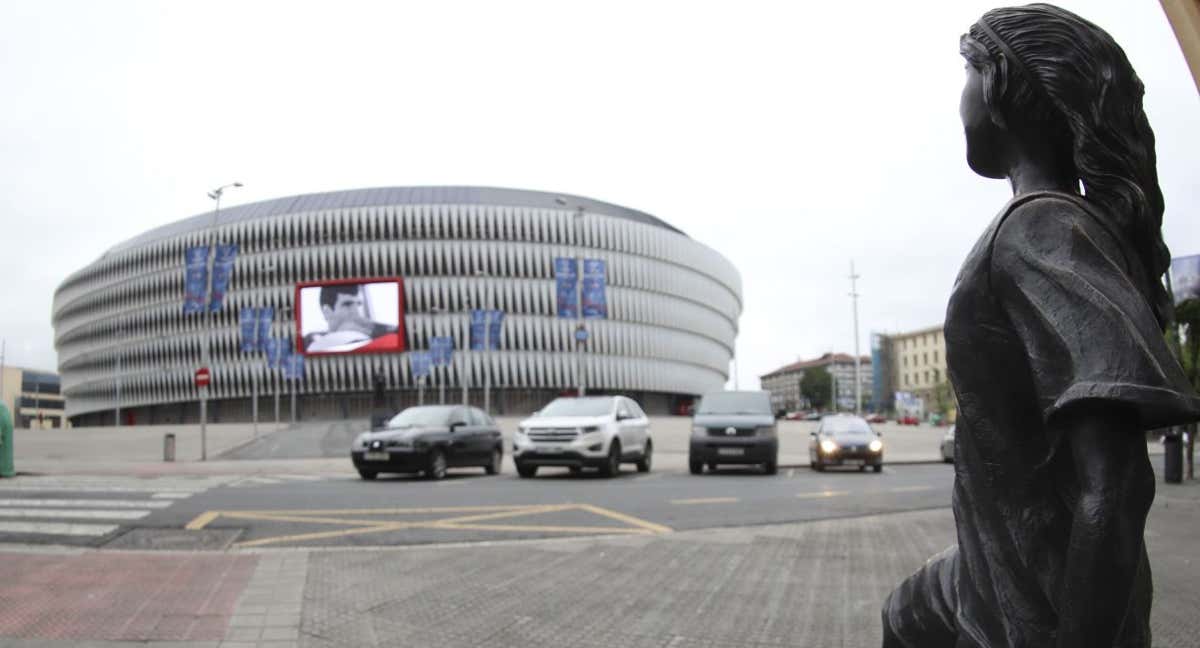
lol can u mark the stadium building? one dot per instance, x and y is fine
(672, 306)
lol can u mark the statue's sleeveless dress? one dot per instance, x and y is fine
(1045, 312)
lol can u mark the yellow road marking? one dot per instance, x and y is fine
(627, 519)
(822, 494)
(548, 529)
(202, 520)
(469, 522)
(706, 500)
(910, 489)
(340, 533)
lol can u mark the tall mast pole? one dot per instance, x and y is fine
(857, 357)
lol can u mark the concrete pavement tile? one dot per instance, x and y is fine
(281, 634)
(243, 634)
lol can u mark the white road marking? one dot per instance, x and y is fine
(172, 495)
(56, 528)
(72, 514)
(822, 494)
(706, 500)
(910, 489)
(92, 488)
(86, 503)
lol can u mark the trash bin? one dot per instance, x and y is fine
(169, 447)
(1173, 460)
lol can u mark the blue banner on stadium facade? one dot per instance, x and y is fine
(495, 323)
(486, 327)
(565, 280)
(221, 272)
(248, 319)
(195, 268)
(595, 302)
(420, 361)
(294, 369)
(1185, 278)
(441, 350)
(273, 347)
(265, 315)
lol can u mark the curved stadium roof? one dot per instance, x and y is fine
(390, 196)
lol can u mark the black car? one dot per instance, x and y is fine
(734, 427)
(429, 439)
(845, 440)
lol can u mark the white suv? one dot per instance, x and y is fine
(594, 431)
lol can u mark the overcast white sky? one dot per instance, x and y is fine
(792, 137)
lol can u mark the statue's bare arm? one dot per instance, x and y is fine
(1116, 489)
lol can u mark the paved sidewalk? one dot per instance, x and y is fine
(810, 585)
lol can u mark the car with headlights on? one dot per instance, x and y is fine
(587, 432)
(430, 439)
(845, 440)
(734, 427)
(947, 446)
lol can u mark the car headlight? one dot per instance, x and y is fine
(699, 430)
(828, 446)
(591, 428)
(766, 430)
(875, 445)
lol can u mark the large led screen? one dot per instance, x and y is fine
(350, 316)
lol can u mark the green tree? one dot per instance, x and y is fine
(816, 385)
(943, 398)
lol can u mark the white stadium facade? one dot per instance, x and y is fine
(126, 348)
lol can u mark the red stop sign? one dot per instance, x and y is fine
(202, 377)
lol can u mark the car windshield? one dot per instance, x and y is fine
(430, 415)
(735, 403)
(578, 407)
(851, 425)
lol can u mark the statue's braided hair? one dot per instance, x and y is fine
(1044, 65)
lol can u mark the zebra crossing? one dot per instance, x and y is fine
(280, 478)
(81, 507)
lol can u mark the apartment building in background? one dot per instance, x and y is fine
(784, 383)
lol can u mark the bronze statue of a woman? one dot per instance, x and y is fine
(1054, 340)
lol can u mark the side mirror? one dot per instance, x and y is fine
(813, 434)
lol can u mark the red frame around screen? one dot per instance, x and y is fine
(297, 310)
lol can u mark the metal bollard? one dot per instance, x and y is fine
(6, 444)
(1173, 457)
(169, 447)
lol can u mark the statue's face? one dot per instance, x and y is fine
(985, 140)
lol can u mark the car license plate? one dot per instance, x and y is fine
(375, 456)
(550, 449)
(731, 452)
(853, 462)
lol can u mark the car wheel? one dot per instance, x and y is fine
(526, 471)
(712, 465)
(367, 474)
(818, 466)
(696, 467)
(612, 465)
(436, 466)
(771, 467)
(878, 468)
(643, 464)
(862, 468)
(497, 459)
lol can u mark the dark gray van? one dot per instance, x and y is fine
(734, 427)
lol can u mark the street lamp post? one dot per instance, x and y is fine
(442, 375)
(257, 367)
(576, 236)
(215, 194)
(117, 413)
(487, 341)
(857, 358)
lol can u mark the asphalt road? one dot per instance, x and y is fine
(471, 507)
